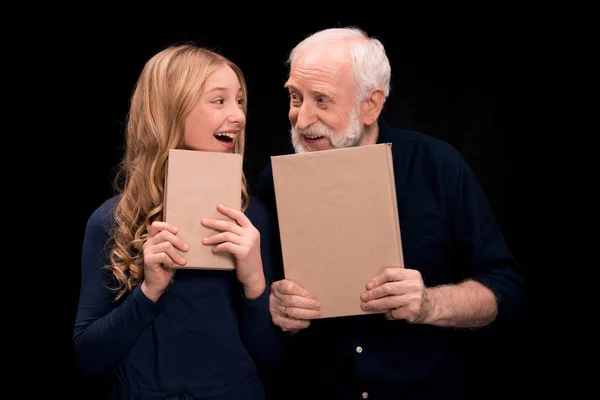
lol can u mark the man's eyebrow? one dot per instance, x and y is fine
(323, 92)
(320, 91)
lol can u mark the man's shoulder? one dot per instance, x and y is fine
(267, 170)
(417, 144)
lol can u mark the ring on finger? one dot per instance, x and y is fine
(285, 312)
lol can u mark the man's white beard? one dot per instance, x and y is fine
(350, 138)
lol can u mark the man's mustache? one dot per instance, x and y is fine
(313, 131)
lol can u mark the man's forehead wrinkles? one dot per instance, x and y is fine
(314, 72)
(301, 80)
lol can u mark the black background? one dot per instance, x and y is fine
(463, 82)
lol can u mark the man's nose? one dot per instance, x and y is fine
(305, 116)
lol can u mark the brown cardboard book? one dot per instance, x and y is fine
(195, 182)
(338, 222)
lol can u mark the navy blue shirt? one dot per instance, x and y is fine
(203, 338)
(449, 234)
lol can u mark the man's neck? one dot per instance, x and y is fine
(371, 135)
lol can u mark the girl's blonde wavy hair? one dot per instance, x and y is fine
(167, 89)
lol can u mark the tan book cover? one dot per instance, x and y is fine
(195, 182)
(338, 222)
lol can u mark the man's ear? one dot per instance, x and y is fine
(371, 106)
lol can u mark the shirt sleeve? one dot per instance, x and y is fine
(481, 246)
(104, 330)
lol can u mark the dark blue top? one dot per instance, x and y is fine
(202, 338)
(449, 234)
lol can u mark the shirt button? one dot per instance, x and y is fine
(365, 395)
(359, 350)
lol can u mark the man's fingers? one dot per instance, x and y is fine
(387, 289)
(287, 287)
(385, 303)
(402, 313)
(389, 275)
(291, 325)
(297, 301)
(301, 313)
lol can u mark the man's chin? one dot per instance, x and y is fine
(307, 147)
(299, 148)
(302, 145)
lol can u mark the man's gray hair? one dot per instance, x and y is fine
(370, 63)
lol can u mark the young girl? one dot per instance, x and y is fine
(197, 333)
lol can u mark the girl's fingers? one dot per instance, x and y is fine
(157, 226)
(222, 225)
(235, 215)
(223, 237)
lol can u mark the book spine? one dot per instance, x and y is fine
(394, 204)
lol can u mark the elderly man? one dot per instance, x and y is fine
(459, 273)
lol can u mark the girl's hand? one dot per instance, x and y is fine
(242, 240)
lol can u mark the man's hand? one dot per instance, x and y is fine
(399, 291)
(292, 307)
